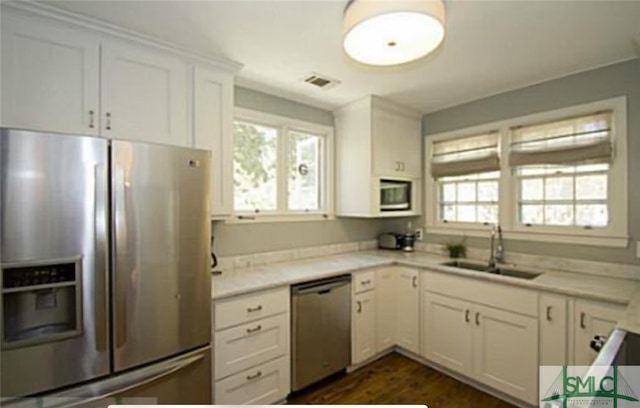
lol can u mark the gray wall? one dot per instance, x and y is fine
(608, 82)
(238, 239)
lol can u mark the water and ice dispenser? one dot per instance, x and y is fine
(40, 303)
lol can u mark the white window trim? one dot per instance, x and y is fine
(283, 124)
(615, 235)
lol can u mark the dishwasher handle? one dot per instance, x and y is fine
(320, 287)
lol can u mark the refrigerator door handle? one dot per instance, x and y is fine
(139, 383)
(101, 263)
(121, 281)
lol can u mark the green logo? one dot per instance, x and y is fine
(592, 390)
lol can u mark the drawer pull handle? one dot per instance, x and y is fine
(414, 282)
(582, 317)
(254, 309)
(256, 375)
(478, 318)
(549, 313)
(359, 306)
(466, 315)
(255, 329)
(91, 119)
(366, 282)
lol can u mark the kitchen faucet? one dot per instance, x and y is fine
(497, 256)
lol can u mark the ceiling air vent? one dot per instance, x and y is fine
(321, 81)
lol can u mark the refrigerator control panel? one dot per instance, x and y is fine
(38, 275)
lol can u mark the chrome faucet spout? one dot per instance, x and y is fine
(496, 255)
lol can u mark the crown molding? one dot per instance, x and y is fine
(44, 10)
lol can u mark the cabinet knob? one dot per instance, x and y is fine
(91, 119)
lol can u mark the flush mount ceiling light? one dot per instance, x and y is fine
(390, 32)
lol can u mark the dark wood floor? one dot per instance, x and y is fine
(395, 379)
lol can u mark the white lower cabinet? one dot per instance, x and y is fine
(505, 352)
(553, 330)
(252, 348)
(496, 347)
(447, 332)
(385, 291)
(262, 385)
(407, 309)
(591, 319)
(363, 327)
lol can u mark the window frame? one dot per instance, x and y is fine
(284, 125)
(616, 234)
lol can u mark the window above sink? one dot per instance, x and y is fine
(557, 176)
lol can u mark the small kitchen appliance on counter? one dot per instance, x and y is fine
(392, 240)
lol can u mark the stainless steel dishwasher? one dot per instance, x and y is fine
(321, 329)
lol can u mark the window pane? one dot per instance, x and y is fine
(449, 192)
(559, 188)
(558, 214)
(255, 167)
(531, 214)
(448, 212)
(466, 191)
(592, 187)
(594, 215)
(467, 213)
(488, 191)
(531, 189)
(304, 171)
(488, 213)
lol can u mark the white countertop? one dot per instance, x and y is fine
(240, 281)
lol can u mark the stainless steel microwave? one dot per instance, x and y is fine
(395, 195)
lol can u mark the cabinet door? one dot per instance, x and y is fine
(553, 330)
(213, 114)
(407, 321)
(592, 319)
(385, 308)
(50, 77)
(363, 344)
(505, 350)
(145, 96)
(396, 145)
(446, 337)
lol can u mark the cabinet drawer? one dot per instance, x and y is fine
(364, 281)
(248, 345)
(246, 308)
(493, 294)
(266, 384)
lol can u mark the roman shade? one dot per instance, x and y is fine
(469, 155)
(584, 139)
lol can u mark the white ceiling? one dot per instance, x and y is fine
(489, 47)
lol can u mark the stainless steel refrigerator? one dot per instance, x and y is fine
(104, 252)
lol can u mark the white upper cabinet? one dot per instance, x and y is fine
(396, 141)
(213, 113)
(50, 77)
(145, 96)
(376, 140)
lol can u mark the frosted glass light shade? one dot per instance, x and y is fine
(390, 32)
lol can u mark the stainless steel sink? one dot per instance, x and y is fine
(514, 273)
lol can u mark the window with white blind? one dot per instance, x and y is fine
(562, 170)
(466, 171)
(282, 168)
(557, 176)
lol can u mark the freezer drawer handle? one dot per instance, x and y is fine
(138, 384)
(254, 309)
(256, 375)
(255, 329)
